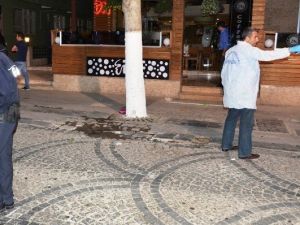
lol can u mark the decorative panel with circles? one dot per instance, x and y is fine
(114, 67)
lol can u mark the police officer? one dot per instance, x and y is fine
(9, 115)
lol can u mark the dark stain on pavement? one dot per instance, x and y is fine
(110, 127)
(196, 123)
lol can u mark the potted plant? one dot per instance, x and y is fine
(210, 7)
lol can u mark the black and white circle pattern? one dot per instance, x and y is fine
(114, 67)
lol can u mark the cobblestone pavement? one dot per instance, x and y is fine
(79, 169)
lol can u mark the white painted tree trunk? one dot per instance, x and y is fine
(134, 80)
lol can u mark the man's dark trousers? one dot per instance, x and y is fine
(246, 117)
(6, 166)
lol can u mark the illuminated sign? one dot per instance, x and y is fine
(241, 15)
(99, 8)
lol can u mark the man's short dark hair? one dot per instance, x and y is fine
(221, 24)
(21, 35)
(247, 32)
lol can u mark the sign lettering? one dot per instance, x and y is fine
(99, 8)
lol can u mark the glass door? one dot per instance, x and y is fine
(202, 59)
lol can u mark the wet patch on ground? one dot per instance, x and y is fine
(116, 127)
(112, 127)
(196, 123)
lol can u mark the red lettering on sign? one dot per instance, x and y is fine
(99, 8)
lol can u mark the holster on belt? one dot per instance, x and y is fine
(12, 115)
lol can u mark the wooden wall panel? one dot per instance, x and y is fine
(280, 72)
(177, 39)
(258, 19)
(105, 51)
(103, 23)
(148, 53)
(68, 60)
(72, 59)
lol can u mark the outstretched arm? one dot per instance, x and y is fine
(263, 55)
(278, 53)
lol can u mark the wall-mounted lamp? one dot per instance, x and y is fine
(166, 42)
(27, 39)
(57, 40)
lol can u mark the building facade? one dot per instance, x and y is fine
(79, 67)
(36, 18)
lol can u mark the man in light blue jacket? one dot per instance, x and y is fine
(240, 79)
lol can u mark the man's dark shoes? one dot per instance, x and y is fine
(252, 156)
(26, 88)
(233, 148)
(2, 207)
(9, 206)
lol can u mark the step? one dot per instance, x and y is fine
(202, 90)
(38, 87)
(40, 68)
(202, 98)
(37, 84)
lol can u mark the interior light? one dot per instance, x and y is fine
(27, 39)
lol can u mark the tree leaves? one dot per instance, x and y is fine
(210, 7)
(115, 4)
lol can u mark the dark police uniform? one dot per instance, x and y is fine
(9, 115)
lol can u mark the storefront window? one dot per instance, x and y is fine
(25, 21)
(282, 16)
(157, 22)
(201, 36)
(109, 25)
(282, 19)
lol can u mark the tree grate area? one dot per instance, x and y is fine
(271, 125)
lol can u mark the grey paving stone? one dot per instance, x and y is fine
(63, 176)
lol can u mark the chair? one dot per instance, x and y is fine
(194, 58)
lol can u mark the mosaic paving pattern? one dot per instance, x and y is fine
(66, 177)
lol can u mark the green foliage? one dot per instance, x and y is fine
(114, 4)
(160, 7)
(210, 7)
(163, 6)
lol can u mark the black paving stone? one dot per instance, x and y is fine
(197, 123)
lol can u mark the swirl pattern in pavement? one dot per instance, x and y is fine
(65, 177)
